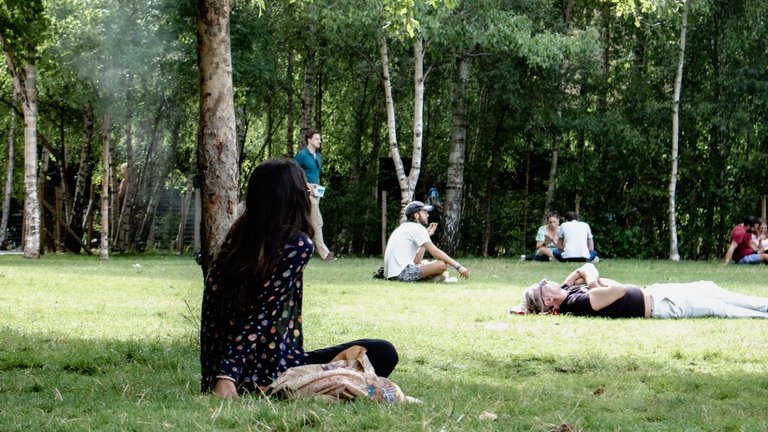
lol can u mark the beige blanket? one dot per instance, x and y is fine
(348, 376)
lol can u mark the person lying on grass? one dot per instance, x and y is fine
(251, 326)
(585, 293)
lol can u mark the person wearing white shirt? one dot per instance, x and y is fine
(575, 240)
(403, 258)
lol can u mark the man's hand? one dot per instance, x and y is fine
(432, 228)
(463, 271)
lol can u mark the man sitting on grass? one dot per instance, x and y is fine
(585, 293)
(403, 258)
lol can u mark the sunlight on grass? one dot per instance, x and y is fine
(113, 346)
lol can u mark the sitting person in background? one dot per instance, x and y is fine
(740, 249)
(585, 293)
(546, 240)
(404, 256)
(760, 239)
(575, 240)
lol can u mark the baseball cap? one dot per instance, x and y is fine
(416, 206)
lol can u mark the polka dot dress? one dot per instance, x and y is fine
(255, 348)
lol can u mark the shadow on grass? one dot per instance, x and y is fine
(152, 384)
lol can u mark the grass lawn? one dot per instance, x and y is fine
(112, 346)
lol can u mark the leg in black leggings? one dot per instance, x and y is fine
(381, 353)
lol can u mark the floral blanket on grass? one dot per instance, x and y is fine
(348, 376)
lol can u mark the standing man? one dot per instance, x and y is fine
(403, 259)
(311, 161)
(575, 240)
(741, 248)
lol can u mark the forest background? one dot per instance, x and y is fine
(527, 106)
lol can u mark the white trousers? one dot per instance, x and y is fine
(703, 299)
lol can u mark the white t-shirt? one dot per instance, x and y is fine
(575, 235)
(402, 247)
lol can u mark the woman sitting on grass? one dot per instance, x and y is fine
(251, 329)
(585, 293)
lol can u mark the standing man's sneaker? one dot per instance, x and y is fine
(330, 257)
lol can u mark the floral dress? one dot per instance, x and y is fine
(253, 349)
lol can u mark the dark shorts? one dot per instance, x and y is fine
(411, 273)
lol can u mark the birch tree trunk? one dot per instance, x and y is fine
(25, 85)
(673, 249)
(407, 183)
(216, 146)
(455, 183)
(31, 199)
(418, 118)
(9, 172)
(104, 237)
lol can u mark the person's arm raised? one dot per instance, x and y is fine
(586, 274)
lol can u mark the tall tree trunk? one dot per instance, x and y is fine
(216, 146)
(135, 230)
(673, 251)
(241, 129)
(418, 117)
(319, 95)
(491, 184)
(289, 107)
(407, 183)
(106, 179)
(31, 201)
(123, 203)
(270, 126)
(76, 217)
(91, 209)
(46, 227)
(550, 197)
(394, 150)
(455, 185)
(306, 97)
(179, 242)
(25, 84)
(9, 171)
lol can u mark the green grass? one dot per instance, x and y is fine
(99, 346)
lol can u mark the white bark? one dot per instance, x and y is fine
(31, 201)
(673, 247)
(25, 85)
(9, 172)
(407, 183)
(455, 183)
(104, 237)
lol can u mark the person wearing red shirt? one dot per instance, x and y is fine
(740, 249)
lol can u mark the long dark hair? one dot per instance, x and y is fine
(276, 209)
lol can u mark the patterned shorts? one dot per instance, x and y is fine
(411, 273)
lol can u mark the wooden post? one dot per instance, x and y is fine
(762, 206)
(57, 219)
(577, 203)
(383, 222)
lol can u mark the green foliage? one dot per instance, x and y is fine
(595, 80)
